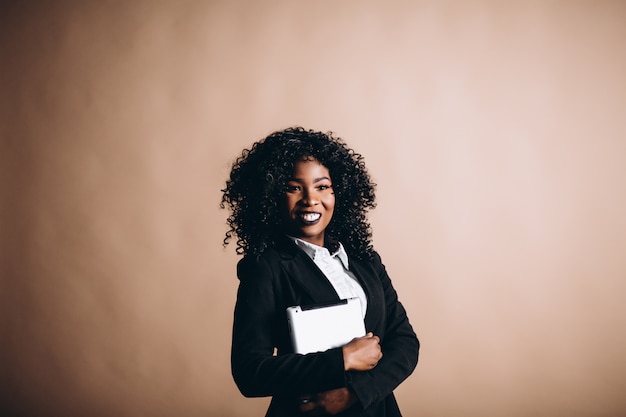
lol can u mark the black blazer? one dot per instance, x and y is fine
(262, 358)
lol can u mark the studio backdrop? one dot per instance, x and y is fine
(495, 131)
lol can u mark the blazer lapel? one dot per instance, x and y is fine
(306, 275)
(310, 279)
(375, 299)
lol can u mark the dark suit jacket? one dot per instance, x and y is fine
(262, 358)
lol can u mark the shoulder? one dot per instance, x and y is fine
(370, 258)
(268, 260)
(370, 265)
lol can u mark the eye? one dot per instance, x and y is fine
(324, 187)
(290, 188)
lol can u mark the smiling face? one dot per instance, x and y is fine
(310, 201)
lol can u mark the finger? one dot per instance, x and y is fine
(369, 334)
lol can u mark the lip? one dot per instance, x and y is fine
(300, 214)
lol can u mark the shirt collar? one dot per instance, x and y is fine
(313, 250)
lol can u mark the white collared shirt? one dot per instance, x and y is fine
(336, 269)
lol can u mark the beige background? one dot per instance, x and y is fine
(496, 132)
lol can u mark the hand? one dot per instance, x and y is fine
(362, 353)
(329, 402)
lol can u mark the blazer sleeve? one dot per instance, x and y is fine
(259, 326)
(400, 348)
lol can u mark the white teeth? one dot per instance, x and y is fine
(310, 217)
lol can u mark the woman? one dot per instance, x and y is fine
(298, 202)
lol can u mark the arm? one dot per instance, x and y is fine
(400, 348)
(361, 354)
(259, 326)
(374, 375)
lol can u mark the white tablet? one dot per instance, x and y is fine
(318, 328)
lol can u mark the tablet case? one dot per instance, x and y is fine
(320, 327)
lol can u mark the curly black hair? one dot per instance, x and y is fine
(255, 191)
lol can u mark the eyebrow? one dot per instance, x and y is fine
(314, 181)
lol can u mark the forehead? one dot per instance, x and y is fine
(310, 168)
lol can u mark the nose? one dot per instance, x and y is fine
(309, 197)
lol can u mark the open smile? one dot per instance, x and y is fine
(309, 218)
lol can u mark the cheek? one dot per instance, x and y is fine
(330, 202)
(289, 202)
